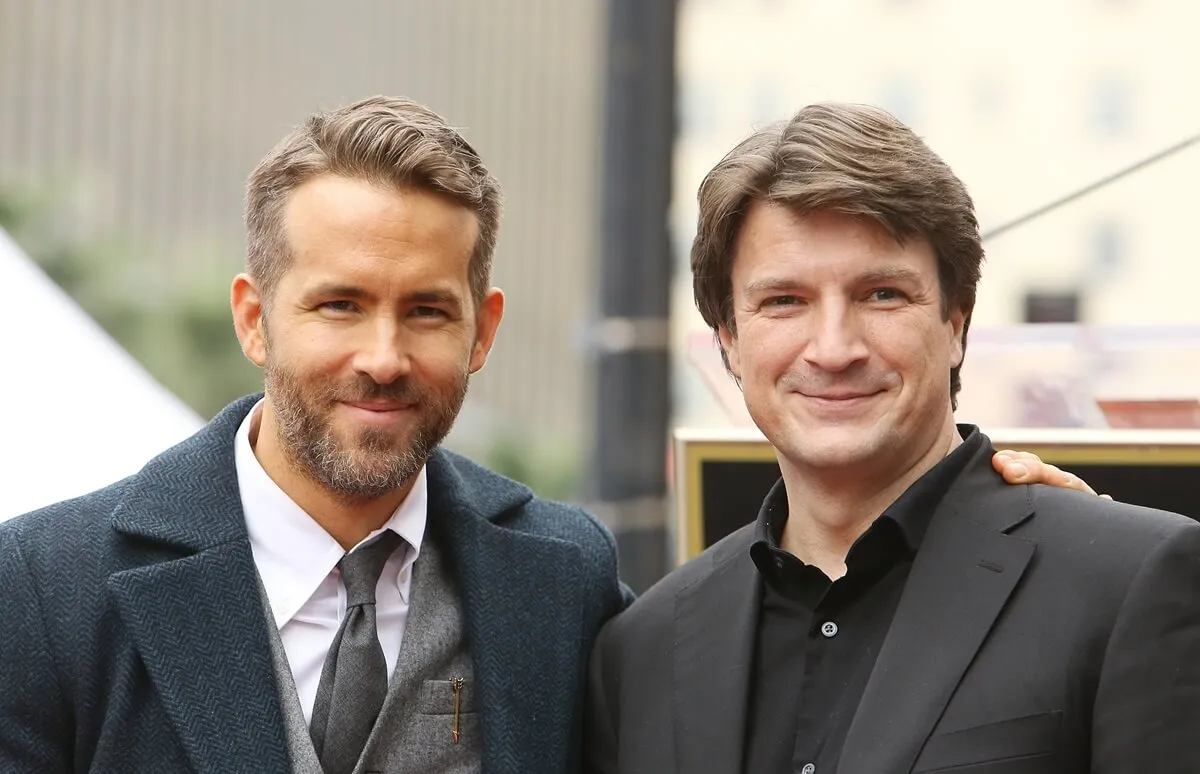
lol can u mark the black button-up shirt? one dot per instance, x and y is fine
(817, 639)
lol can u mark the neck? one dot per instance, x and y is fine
(347, 520)
(829, 510)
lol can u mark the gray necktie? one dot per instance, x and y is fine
(354, 680)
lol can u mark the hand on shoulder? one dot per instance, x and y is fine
(1020, 467)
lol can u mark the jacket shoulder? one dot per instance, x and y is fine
(530, 513)
(67, 527)
(1109, 543)
(1105, 522)
(518, 508)
(653, 609)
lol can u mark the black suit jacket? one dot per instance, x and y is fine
(133, 636)
(1040, 630)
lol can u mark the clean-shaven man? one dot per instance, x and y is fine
(895, 606)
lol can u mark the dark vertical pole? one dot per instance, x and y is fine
(631, 337)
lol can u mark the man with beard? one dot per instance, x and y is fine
(309, 583)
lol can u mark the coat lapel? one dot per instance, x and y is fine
(963, 575)
(524, 633)
(715, 622)
(194, 613)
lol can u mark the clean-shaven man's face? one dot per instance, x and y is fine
(841, 346)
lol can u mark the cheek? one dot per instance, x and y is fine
(311, 352)
(769, 348)
(908, 345)
(440, 357)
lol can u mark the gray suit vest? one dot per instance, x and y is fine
(415, 731)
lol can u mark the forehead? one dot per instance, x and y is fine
(332, 220)
(774, 238)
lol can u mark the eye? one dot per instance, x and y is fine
(781, 301)
(428, 311)
(885, 295)
(338, 307)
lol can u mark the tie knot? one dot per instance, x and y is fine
(361, 568)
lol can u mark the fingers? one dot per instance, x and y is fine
(1018, 467)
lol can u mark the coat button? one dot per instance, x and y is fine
(808, 769)
(829, 629)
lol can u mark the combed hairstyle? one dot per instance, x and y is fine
(387, 141)
(851, 159)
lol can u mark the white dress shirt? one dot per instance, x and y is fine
(297, 562)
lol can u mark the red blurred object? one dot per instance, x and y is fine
(1157, 414)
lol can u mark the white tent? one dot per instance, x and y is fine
(76, 411)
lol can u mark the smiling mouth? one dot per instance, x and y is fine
(380, 407)
(378, 413)
(840, 400)
(840, 395)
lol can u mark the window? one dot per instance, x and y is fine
(1051, 307)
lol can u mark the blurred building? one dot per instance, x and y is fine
(159, 110)
(1027, 101)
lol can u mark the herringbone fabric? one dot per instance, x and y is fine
(134, 638)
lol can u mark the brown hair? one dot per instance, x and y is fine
(850, 159)
(389, 141)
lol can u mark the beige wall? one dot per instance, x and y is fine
(1026, 100)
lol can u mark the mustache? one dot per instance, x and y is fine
(402, 390)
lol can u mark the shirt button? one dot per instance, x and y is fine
(808, 769)
(829, 629)
(779, 562)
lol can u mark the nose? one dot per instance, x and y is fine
(382, 354)
(835, 342)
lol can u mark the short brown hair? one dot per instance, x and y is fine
(388, 141)
(851, 159)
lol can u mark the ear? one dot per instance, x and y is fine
(248, 320)
(729, 345)
(487, 322)
(957, 321)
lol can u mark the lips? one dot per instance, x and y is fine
(836, 404)
(379, 413)
(841, 395)
(379, 406)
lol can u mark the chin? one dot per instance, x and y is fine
(836, 447)
(835, 457)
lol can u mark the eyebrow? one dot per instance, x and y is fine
(896, 274)
(771, 285)
(357, 293)
(889, 274)
(334, 289)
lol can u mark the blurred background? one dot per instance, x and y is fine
(128, 127)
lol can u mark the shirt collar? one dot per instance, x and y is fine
(912, 510)
(292, 553)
